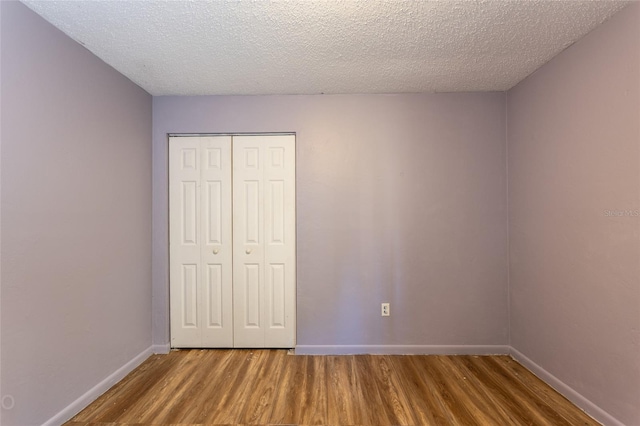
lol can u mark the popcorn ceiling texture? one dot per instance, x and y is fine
(308, 47)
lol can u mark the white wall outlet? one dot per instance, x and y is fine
(385, 309)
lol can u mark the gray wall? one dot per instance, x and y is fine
(574, 165)
(76, 208)
(400, 198)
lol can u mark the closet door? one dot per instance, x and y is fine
(264, 241)
(200, 241)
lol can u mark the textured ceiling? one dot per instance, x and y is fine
(312, 46)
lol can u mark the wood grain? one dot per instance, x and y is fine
(268, 387)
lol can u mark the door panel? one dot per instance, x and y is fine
(213, 211)
(188, 200)
(248, 250)
(280, 247)
(189, 284)
(217, 246)
(184, 275)
(276, 289)
(264, 235)
(250, 286)
(200, 241)
(251, 212)
(215, 306)
(276, 215)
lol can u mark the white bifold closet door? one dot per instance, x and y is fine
(200, 241)
(264, 240)
(232, 241)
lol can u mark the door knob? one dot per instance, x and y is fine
(248, 251)
(216, 251)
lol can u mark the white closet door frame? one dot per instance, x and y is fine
(200, 245)
(264, 241)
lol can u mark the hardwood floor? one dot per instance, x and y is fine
(261, 387)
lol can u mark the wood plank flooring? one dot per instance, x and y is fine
(268, 387)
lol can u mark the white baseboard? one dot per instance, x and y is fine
(161, 349)
(567, 391)
(402, 349)
(92, 394)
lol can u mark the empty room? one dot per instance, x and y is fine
(319, 212)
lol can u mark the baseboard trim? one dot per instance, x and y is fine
(567, 391)
(402, 349)
(161, 349)
(92, 394)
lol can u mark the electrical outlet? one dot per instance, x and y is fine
(385, 310)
